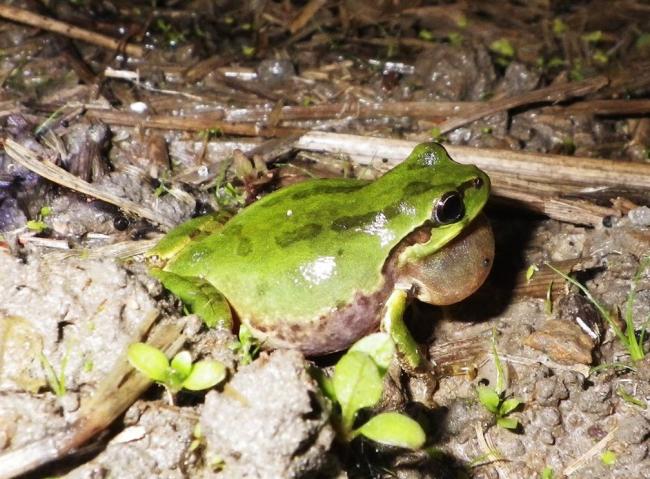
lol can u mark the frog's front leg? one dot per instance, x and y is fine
(410, 356)
(199, 296)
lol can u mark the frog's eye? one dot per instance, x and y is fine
(449, 208)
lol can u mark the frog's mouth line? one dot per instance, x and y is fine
(419, 243)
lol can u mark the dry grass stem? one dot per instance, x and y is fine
(50, 171)
(39, 21)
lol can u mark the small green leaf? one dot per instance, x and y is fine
(182, 363)
(204, 375)
(36, 226)
(425, 35)
(394, 429)
(600, 56)
(455, 38)
(547, 473)
(45, 211)
(56, 383)
(489, 398)
(503, 47)
(608, 458)
(628, 398)
(325, 383)
(508, 422)
(508, 406)
(357, 383)
(559, 27)
(530, 272)
(643, 41)
(592, 37)
(150, 361)
(379, 346)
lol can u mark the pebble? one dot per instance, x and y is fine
(640, 216)
(549, 416)
(633, 429)
(275, 72)
(550, 391)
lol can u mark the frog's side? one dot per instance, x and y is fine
(312, 265)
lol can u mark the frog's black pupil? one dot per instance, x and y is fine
(449, 208)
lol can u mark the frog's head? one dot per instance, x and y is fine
(447, 258)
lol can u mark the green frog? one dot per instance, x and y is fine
(319, 264)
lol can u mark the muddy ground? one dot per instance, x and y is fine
(169, 128)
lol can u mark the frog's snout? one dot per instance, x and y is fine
(457, 270)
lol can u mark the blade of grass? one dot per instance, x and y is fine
(605, 315)
(635, 344)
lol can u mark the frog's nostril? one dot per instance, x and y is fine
(478, 182)
(449, 208)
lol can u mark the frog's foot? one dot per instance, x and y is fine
(199, 296)
(409, 354)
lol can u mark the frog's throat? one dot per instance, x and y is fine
(441, 235)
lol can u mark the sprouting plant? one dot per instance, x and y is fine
(248, 347)
(632, 341)
(38, 225)
(54, 380)
(547, 473)
(495, 400)
(178, 374)
(357, 383)
(630, 399)
(608, 458)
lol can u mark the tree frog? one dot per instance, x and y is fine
(319, 264)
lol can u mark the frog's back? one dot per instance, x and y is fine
(308, 250)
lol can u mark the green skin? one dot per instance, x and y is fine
(303, 266)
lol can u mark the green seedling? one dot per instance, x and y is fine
(495, 400)
(642, 41)
(504, 50)
(530, 272)
(606, 366)
(248, 347)
(547, 473)
(178, 374)
(632, 341)
(559, 27)
(608, 458)
(426, 35)
(54, 380)
(357, 383)
(592, 37)
(628, 398)
(38, 225)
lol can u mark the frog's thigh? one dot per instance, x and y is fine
(199, 296)
(393, 323)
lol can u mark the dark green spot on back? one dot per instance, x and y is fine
(327, 190)
(304, 232)
(244, 247)
(417, 188)
(345, 223)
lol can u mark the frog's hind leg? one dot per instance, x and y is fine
(199, 296)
